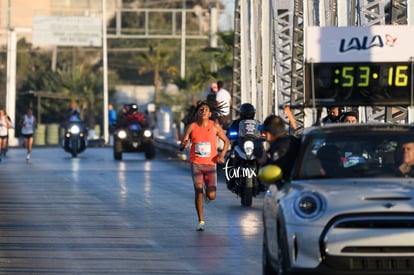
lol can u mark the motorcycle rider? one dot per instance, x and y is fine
(133, 116)
(246, 111)
(74, 118)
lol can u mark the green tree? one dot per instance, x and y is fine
(155, 60)
(83, 85)
(78, 77)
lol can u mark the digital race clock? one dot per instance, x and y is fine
(355, 66)
(386, 83)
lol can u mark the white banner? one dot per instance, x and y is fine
(67, 31)
(379, 43)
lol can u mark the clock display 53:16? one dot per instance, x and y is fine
(383, 75)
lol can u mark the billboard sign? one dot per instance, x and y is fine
(378, 43)
(67, 31)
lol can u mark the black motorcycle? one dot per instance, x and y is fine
(75, 138)
(241, 167)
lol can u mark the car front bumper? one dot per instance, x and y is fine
(353, 244)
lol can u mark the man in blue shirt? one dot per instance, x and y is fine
(111, 117)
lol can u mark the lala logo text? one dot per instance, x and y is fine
(366, 42)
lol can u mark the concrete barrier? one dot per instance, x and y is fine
(40, 135)
(52, 134)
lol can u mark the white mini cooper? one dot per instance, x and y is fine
(349, 206)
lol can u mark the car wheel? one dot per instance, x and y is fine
(283, 253)
(117, 156)
(118, 150)
(267, 267)
(150, 151)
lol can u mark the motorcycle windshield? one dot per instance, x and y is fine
(249, 127)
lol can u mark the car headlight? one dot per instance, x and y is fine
(248, 147)
(309, 205)
(122, 134)
(74, 129)
(147, 133)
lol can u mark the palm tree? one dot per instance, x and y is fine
(82, 84)
(155, 60)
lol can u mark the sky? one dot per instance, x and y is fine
(227, 19)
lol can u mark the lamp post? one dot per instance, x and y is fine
(183, 38)
(105, 74)
(11, 74)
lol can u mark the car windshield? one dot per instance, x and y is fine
(371, 154)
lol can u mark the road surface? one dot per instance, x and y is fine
(94, 215)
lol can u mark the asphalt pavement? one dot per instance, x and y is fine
(94, 215)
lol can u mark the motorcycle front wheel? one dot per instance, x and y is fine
(246, 196)
(74, 148)
(117, 150)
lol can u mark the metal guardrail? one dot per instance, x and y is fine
(170, 146)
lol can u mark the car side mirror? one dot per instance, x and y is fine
(270, 173)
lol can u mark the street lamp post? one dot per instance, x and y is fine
(11, 74)
(105, 74)
(183, 38)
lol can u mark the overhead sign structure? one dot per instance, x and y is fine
(357, 66)
(67, 31)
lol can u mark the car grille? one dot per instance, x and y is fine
(135, 134)
(369, 264)
(374, 243)
(377, 223)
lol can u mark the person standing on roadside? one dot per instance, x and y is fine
(28, 123)
(212, 101)
(111, 118)
(4, 128)
(202, 134)
(334, 115)
(224, 102)
(284, 147)
(211, 97)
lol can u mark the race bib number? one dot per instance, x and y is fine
(203, 149)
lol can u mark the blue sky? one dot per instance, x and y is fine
(226, 20)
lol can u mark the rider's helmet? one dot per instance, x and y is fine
(133, 108)
(247, 111)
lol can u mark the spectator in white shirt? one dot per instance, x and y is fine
(224, 102)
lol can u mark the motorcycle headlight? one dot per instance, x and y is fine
(248, 147)
(147, 133)
(74, 129)
(122, 134)
(309, 205)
